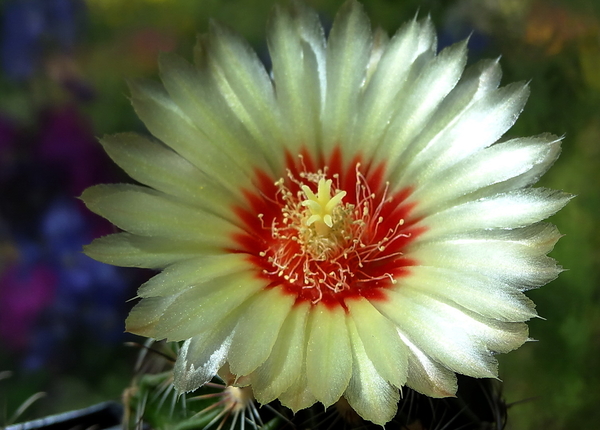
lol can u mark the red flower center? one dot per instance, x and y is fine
(326, 232)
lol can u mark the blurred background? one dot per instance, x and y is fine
(63, 71)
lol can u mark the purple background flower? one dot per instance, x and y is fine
(50, 291)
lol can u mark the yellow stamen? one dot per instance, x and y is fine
(321, 206)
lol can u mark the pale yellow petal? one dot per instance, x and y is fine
(458, 339)
(194, 271)
(146, 212)
(379, 101)
(201, 356)
(241, 78)
(283, 366)
(146, 314)
(297, 48)
(348, 48)
(383, 347)
(129, 250)
(167, 121)
(369, 394)
(328, 354)
(202, 306)
(257, 330)
(298, 396)
(155, 165)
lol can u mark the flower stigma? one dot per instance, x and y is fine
(322, 206)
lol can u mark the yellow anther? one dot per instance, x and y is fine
(321, 206)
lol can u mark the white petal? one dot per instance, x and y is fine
(498, 163)
(201, 357)
(380, 43)
(515, 257)
(427, 36)
(257, 330)
(369, 394)
(146, 212)
(513, 209)
(525, 179)
(286, 361)
(392, 81)
(379, 100)
(461, 341)
(431, 79)
(496, 336)
(348, 48)
(328, 354)
(427, 376)
(479, 125)
(478, 293)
